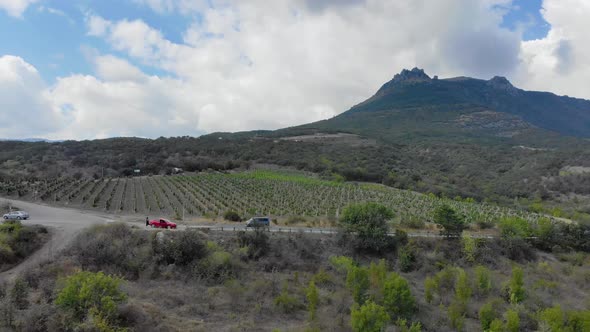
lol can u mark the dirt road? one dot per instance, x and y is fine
(63, 224)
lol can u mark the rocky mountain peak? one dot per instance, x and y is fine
(502, 83)
(414, 75)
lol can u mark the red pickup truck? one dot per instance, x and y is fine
(162, 223)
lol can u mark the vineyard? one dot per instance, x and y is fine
(249, 193)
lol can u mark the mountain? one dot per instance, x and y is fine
(413, 88)
(413, 105)
(465, 137)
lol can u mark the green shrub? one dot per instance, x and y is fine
(357, 281)
(512, 320)
(496, 326)
(19, 294)
(257, 243)
(232, 216)
(449, 220)
(342, 264)
(368, 223)
(87, 294)
(469, 248)
(430, 287)
(313, 299)
(462, 287)
(369, 317)
(180, 249)
(406, 258)
(377, 275)
(553, 318)
(404, 326)
(397, 297)
(487, 314)
(516, 287)
(285, 302)
(217, 267)
(456, 312)
(483, 279)
(322, 278)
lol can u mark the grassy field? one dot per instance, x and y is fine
(276, 194)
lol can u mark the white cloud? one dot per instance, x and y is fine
(269, 64)
(26, 109)
(559, 62)
(266, 65)
(15, 7)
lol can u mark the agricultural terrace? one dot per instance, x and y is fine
(262, 192)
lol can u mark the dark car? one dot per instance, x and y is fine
(258, 222)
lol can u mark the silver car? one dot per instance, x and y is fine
(18, 215)
(258, 222)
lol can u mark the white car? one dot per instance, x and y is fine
(18, 215)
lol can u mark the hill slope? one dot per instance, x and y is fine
(458, 137)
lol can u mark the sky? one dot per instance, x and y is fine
(91, 69)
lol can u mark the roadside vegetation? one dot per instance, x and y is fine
(18, 241)
(138, 280)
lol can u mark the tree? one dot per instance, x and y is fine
(369, 317)
(368, 222)
(450, 221)
(397, 297)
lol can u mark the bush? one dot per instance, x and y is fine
(94, 295)
(368, 223)
(313, 299)
(357, 281)
(369, 317)
(342, 264)
(406, 258)
(19, 294)
(487, 314)
(430, 287)
(232, 216)
(180, 249)
(257, 243)
(516, 287)
(462, 287)
(449, 220)
(456, 313)
(397, 297)
(512, 321)
(285, 302)
(483, 279)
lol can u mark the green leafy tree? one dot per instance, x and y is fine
(450, 221)
(368, 222)
(397, 296)
(357, 281)
(516, 287)
(91, 294)
(370, 317)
